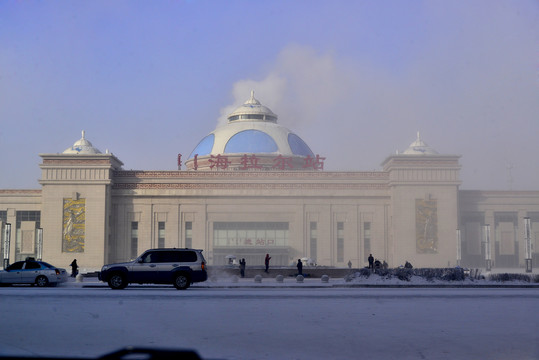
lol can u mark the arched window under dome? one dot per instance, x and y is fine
(252, 142)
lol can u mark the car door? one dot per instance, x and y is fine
(30, 272)
(12, 274)
(144, 269)
(168, 260)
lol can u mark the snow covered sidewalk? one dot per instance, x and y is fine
(373, 281)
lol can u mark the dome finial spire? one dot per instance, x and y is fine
(82, 146)
(419, 147)
(252, 100)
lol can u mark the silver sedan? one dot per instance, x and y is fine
(32, 272)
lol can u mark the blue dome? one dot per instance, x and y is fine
(251, 141)
(204, 147)
(251, 129)
(298, 146)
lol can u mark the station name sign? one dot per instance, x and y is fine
(253, 162)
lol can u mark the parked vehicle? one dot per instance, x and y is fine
(33, 272)
(179, 267)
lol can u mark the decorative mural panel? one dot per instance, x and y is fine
(74, 225)
(426, 226)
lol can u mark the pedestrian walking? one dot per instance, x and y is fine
(242, 267)
(300, 267)
(266, 262)
(371, 262)
(74, 268)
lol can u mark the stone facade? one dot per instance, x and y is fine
(92, 210)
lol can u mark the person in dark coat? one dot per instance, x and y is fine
(371, 262)
(300, 267)
(242, 267)
(74, 268)
(266, 262)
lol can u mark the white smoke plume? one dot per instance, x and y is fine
(468, 90)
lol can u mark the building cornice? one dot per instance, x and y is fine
(249, 186)
(263, 175)
(20, 192)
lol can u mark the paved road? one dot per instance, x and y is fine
(269, 323)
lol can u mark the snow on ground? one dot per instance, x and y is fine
(226, 319)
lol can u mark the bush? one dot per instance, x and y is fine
(510, 277)
(364, 273)
(430, 274)
(404, 274)
(387, 273)
(456, 274)
(442, 274)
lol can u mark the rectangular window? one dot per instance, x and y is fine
(313, 237)
(24, 234)
(340, 242)
(161, 234)
(134, 239)
(250, 234)
(188, 234)
(366, 240)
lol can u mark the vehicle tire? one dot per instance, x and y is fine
(117, 281)
(42, 281)
(181, 281)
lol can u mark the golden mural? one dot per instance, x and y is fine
(426, 226)
(74, 225)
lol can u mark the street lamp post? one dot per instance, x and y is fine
(488, 258)
(39, 244)
(527, 235)
(7, 239)
(459, 249)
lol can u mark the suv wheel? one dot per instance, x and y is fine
(181, 282)
(117, 281)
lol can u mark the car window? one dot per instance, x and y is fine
(188, 256)
(148, 257)
(32, 265)
(47, 265)
(169, 257)
(15, 266)
(166, 256)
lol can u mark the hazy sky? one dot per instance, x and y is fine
(355, 79)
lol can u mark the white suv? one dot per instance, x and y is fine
(179, 267)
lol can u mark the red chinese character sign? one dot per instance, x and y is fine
(316, 163)
(282, 163)
(249, 162)
(254, 162)
(219, 162)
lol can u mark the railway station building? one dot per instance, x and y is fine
(253, 187)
